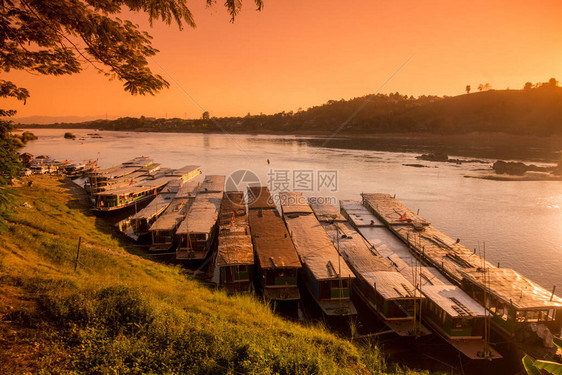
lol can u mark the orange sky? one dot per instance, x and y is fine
(302, 53)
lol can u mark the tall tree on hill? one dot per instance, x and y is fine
(59, 37)
(467, 89)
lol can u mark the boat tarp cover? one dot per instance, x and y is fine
(203, 214)
(392, 210)
(359, 215)
(326, 212)
(173, 215)
(259, 197)
(272, 242)
(213, 184)
(369, 265)
(511, 286)
(235, 243)
(315, 248)
(293, 202)
(453, 300)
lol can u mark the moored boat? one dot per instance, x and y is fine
(196, 234)
(233, 263)
(325, 273)
(277, 261)
(447, 309)
(383, 289)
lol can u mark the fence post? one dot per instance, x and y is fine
(77, 253)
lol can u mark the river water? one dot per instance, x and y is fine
(518, 223)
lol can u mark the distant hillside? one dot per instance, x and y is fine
(535, 111)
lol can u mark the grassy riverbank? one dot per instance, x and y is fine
(120, 313)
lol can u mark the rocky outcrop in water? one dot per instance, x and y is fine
(519, 169)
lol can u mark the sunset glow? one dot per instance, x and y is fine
(297, 54)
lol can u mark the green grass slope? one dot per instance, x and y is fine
(120, 313)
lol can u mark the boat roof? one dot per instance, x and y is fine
(293, 202)
(183, 171)
(155, 207)
(359, 215)
(137, 187)
(453, 300)
(124, 168)
(366, 262)
(235, 243)
(259, 197)
(203, 214)
(271, 239)
(213, 184)
(188, 190)
(391, 285)
(171, 218)
(325, 212)
(233, 207)
(172, 187)
(512, 287)
(392, 210)
(442, 250)
(315, 248)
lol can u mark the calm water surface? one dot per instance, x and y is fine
(520, 223)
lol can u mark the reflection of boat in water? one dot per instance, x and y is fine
(325, 274)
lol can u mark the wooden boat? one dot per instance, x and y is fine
(100, 179)
(197, 232)
(325, 273)
(447, 309)
(383, 289)
(520, 307)
(449, 256)
(233, 263)
(277, 261)
(164, 227)
(475, 275)
(139, 190)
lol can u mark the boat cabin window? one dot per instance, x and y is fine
(532, 316)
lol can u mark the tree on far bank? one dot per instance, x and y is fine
(205, 115)
(528, 86)
(61, 37)
(467, 89)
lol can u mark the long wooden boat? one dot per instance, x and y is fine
(140, 190)
(325, 273)
(381, 287)
(277, 261)
(141, 221)
(447, 309)
(521, 308)
(197, 232)
(233, 263)
(449, 256)
(478, 277)
(164, 227)
(99, 179)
